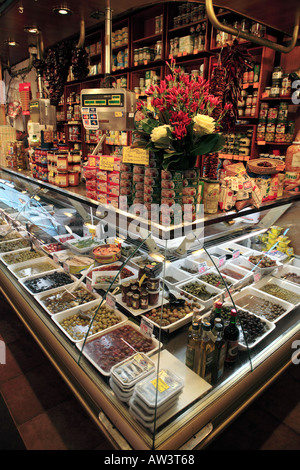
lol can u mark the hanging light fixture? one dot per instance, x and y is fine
(11, 42)
(62, 10)
(31, 29)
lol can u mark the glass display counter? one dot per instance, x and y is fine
(163, 332)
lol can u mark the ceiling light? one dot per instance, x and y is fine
(31, 29)
(62, 10)
(11, 42)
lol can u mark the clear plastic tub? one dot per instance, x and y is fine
(127, 373)
(156, 389)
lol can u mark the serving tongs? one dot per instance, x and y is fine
(174, 301)
(68, 294)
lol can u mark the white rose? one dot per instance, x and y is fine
(159, 133)
(204, 124)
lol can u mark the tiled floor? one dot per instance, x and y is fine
(38, 411)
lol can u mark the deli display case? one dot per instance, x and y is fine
(112, 298)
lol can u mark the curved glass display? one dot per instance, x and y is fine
(163, 324)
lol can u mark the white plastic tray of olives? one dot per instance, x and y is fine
(38, 266)
(64, 303)
(41, 280)
(20, 256)
(271, 308)
(75, 323)
(256, 328)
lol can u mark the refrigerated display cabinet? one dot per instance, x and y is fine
(47, 239)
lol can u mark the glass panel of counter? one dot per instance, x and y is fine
(168, 324)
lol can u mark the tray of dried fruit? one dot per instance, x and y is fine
(253, 329)
(42, 282)
(171, 317)
(279, 288)
(60, 299)
(262, 304)
(289, 273)
(106, 349)
(38, 266)
(89, 319)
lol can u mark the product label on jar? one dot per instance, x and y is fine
(296, 159)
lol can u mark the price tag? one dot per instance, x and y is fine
(110, 300)
(202, 267)
(222, 261)
(235, 254)
(256, 277)
(261, 142)
(146, 328)
(136, 156)
(106, 163)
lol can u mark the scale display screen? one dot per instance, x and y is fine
(105, 100)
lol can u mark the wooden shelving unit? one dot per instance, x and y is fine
(144, 32)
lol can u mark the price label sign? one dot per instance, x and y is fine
(256, 277)
(235, 254)
(110, 300)
(146, 328)
(222, 261)
(135, 156)
(202, 267)
(106, 163)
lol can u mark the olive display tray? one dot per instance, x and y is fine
(72, 244)
(40, 275)
(176, 324)
(280, 283)
(80, 345)
(59, 317)
(264, 296)
(30, 264)
(15, 252)
(288, 269)
(39, 298)
(11, 242)
(242, 345)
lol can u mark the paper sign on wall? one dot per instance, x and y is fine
(136, 156)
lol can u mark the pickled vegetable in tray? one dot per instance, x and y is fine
(20, 257)
(281, 293)
(5, 247)
(115, 346)
(34, 269)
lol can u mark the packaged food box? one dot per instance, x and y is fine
(155, 390)
(128, 372)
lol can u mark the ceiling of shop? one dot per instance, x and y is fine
(17, 14)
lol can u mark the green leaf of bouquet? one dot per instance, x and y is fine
(205, 145)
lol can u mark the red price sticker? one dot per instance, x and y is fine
(146, 328)
(256, 277)
(202, 267)
(235, 254)
(222, 261)
(110, 300)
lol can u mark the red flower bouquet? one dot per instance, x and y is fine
(178, 123)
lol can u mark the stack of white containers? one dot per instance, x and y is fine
(154, 396)
(127, 373)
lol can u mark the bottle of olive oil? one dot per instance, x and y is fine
(207, 348)
(192, 350)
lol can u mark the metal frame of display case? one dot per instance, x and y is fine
(201, 421)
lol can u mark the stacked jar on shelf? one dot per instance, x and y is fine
(238, 144)
(273, 124)
(64, 167)
(248, 103)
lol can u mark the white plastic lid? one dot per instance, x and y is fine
(157, 388)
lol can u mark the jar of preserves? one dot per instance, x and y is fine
(62, 179)
(277, 73)
(292, 159)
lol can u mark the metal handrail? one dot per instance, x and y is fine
(250, 37)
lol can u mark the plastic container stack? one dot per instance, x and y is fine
(153, 396)
(126, 374)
